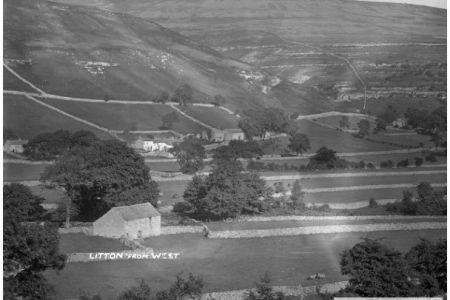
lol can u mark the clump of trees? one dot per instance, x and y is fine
(238, 149)
(375, 270)
(190, 155)
(183, 288)
(428, 202)
(325, 159)
(264, 291)
(225, 193)
(183, 95)
(299, 143)
(255, 123)
(50, 145)
(99, 176)
(29, 248)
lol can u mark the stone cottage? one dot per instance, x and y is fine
(15, 146)
(133, 221)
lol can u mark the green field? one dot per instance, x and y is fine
(27, 119)
(337, 140)
(226, 264)
(213, 116)
(125, 117)
(20, 172)
(77, 242)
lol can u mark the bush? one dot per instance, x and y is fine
(372, 203)
(387, 164)
(431, 157)
(418, 161)
(370, 166)
(403, 164)
(182, 207)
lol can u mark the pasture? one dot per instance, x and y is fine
(226, 264)
(339, 141)
(116, 116)
(27, 119)
(212, 116)
(21, 172)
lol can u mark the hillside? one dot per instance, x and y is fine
(396, 48)
(87, 52)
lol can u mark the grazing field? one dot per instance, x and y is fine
(78, 242)
(164, 166)
(226, 264)
(19, 172)
(50, 195)
(27, 119)
(213, 116)
(10, 82)
(124, 116)
(172, 191)
(337, 140)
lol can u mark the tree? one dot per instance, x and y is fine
(183, 288)
(299, 143)
(375, 270)
(251, 127)
(139, 292)
(381, 125)
(324, 159)
(82, 138)
(238, 149)
(163, 97)
(100, 176)
(364, 127)
(183, 94)
(47, 146)
(437, 139)
(190, 155)
(297, 194)
(344, 122)
(424, 190)
(168, 119)
(19, 201)
(227, 192)
(219, 100)
(418, 161)
(264, 291)
(428, 258)
(28, 250)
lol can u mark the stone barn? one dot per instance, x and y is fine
(133, 221)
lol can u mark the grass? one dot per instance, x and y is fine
(77, 242)
(20, 172)
(337, 140)
(164, 166)
(125, 117)
(226, 264)
(50, 195)
(213, 116)
(27, 119)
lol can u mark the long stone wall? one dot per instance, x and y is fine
(287, 290)
(307, 230)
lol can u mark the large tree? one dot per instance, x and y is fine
(190, 155)
(183, 94)
(29, 248)
(227, 192)
(100, 176)
(364, 127)
(21, 203)
(375, 270)
(299, 143)
(47, 146)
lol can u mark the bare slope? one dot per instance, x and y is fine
(88, 52)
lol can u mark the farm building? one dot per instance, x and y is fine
(152, 145)
(230, 134)
(400, 123)
(15, 146)
(234, 134)
(133, 221)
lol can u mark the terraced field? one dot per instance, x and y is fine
(213, 116)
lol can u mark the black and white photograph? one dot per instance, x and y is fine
(224, 149)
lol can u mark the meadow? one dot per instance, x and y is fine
(124, 116)
(226, 264)
(213, 116)
(27, 119)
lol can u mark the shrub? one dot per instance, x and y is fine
(373, 203)
(431, 157)
(418, 161)
(403, 164)
(387, 164)
(370, 166)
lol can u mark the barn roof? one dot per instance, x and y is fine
(15, 142)
(137, 211)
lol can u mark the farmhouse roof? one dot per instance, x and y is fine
(136, 212)
(233, 130)
(16, 142)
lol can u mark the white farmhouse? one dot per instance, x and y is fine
(133, 221)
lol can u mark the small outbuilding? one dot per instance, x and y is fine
(15, 146)
(133, 222)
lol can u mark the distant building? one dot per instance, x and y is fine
(152, 145)
(400, 123)
(133, 221)
(217, 135)
(234, 134)
(15, 146)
